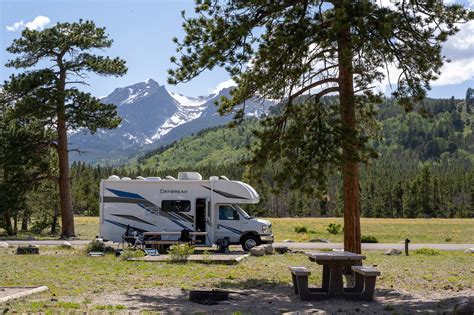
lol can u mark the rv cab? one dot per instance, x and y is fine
(155, 205)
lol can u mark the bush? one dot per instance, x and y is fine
(427, 251)
(368, 239)
(128, 253)
(301, 229)
(334, 228)
(95, 246)
(180, 252)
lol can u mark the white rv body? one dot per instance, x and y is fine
(156, 205)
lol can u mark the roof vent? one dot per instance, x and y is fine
(114, 177)
(153, 178)
(213, 178)
(189, 176)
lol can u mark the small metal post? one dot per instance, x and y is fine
(406, 246)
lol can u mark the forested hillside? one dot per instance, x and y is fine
(425, 168)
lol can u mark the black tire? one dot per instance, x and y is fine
(250, 241)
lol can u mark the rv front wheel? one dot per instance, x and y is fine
(250, 241)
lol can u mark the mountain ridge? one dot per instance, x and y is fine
(152, 116)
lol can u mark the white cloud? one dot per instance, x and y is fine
(223, 85)
(38, 23)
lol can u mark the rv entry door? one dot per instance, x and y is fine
(200, 223)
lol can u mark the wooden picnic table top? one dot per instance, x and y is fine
(173, 233)
(331, 256)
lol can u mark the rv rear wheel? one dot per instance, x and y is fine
(250, 241)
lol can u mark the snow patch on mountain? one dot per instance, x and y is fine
(189, 108)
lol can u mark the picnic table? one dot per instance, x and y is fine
(333, 264)
(332, 283)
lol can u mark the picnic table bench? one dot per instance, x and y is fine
(332, 284)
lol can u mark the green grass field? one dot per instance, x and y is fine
(75, 279)
(423, 231)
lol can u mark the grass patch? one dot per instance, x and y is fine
(58, 269)
(427, 251)
(419, 231)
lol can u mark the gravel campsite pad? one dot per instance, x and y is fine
(276, 301)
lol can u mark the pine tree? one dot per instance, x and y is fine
(300, 51)
(51, 95)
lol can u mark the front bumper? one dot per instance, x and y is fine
(266, 238)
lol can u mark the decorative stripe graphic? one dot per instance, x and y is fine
(125, 226)
(133, 218)
(230, 229)
(225, 194)
(132, 198)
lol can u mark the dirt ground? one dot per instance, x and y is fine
(281, 300)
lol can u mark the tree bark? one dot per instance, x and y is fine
(7, 222)
(350, 167)
(25, 219)
(65, 201)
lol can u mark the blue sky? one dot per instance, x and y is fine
(142, 31)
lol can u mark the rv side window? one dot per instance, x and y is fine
(176, 205)
(228, 213)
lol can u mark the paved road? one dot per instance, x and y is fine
(377, 246)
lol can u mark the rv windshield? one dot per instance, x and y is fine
(242, 211)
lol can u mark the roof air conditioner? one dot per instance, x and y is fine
(189, 176)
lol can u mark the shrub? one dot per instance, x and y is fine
(206, 257)
(95, 246)
(334, 228)
(301, 229)
(368, 239)
(448, 239)
(180, 252)
(427, 251)
(131, 253)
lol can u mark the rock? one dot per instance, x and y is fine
(280, 249)
(464, 308)
(319, 240)
(3, 245)
(469, 250)
(66, 245)
(268, 249)
(257, 251)
(393, 251)
(288, 241)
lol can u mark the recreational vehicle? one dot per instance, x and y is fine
(162, 205)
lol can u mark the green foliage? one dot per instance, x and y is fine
(95, 246)
(369, 239)
(56, 60)
(301, 229)
(128, 253)
(206, 257)
(334, 228)
(298, 52)
(180, 252)
(427, 251)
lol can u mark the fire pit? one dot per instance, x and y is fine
(208, 297)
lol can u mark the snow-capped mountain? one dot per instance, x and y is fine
(152, 116)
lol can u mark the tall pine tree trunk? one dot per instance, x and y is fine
(25, 219)
(350, 168)
(65, 201)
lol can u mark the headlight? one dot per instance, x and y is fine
(266, 229)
